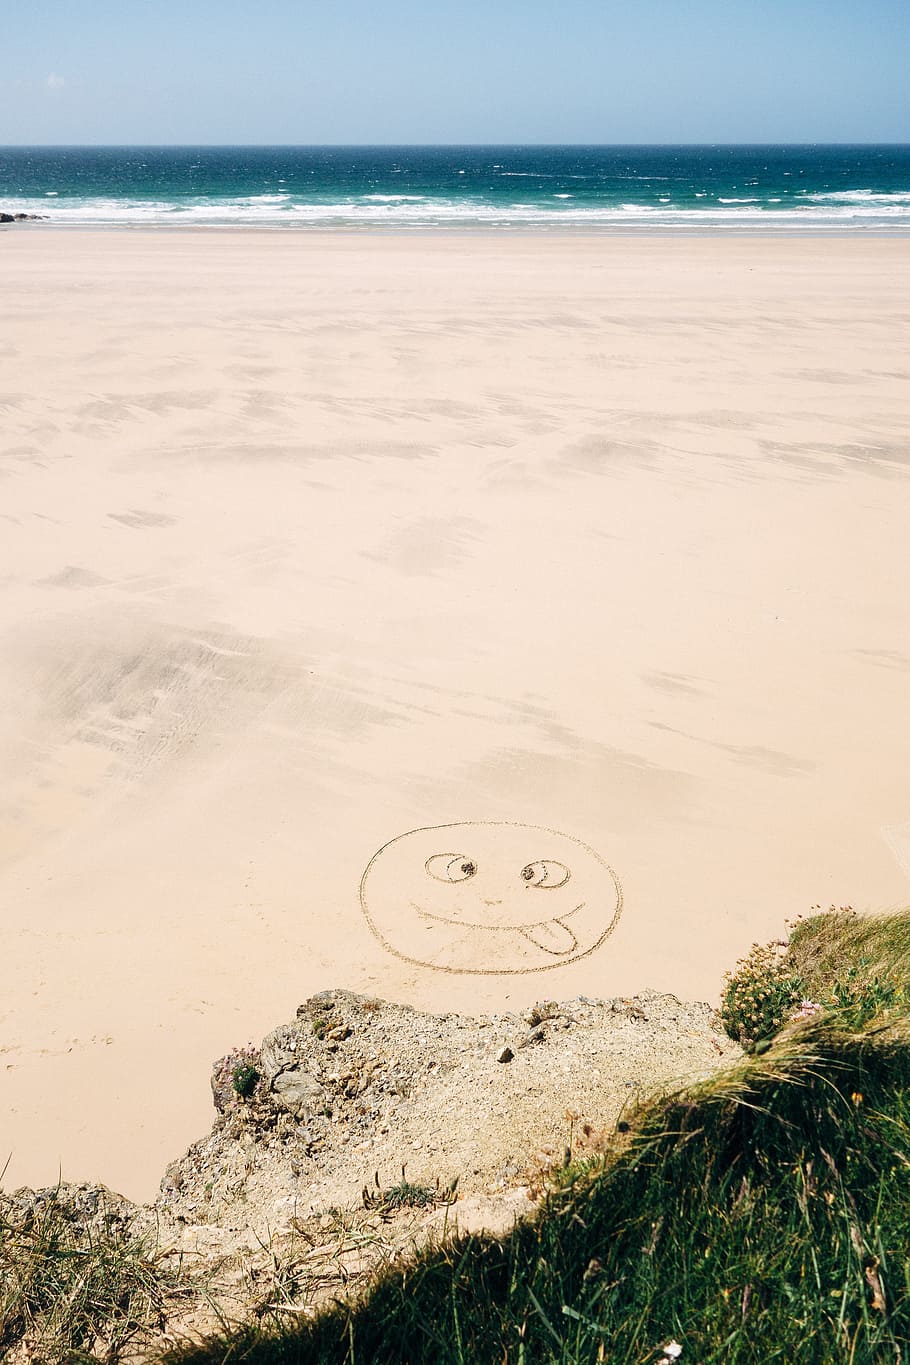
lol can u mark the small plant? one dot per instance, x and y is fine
(407, 1195)
(760, 996)
(244, 1079)
(235, 1077)
(320, 1027)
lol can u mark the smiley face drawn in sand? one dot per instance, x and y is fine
(489, 898)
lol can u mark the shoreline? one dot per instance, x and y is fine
(700, 232)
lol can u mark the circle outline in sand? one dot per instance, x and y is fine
(490, 971)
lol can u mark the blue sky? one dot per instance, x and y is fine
(348, 71)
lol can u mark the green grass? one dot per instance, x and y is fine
(70, 1292)
(761, 1216)
(861, 955)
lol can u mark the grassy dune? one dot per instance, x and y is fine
(762, 1216)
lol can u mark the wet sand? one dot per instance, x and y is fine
(308, 541)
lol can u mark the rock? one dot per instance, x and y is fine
(505, 1055)
(222, 1089)
(324, 1000)
(91, 1209)
(292, 1084)
(299, 1093)
(22, 218)
(279, 1051)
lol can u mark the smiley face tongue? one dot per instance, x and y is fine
(553, 937)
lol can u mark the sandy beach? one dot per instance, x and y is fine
(587, 554)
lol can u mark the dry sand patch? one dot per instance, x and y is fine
(311, 540)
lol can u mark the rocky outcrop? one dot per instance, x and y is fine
(355, 1088)
(22, 218)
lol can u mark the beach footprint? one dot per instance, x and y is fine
(490, 898)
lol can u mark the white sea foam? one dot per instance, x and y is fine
(859, 197)
(808, 213)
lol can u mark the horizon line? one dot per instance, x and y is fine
(373, 146)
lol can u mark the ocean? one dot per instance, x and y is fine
(701, 189)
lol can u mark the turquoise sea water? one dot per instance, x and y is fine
(705, 189)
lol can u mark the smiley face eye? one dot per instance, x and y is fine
(547, 874)
(450, 867)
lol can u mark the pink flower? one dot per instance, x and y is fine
(807, 1010)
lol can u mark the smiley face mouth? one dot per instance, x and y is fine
(551, 936)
